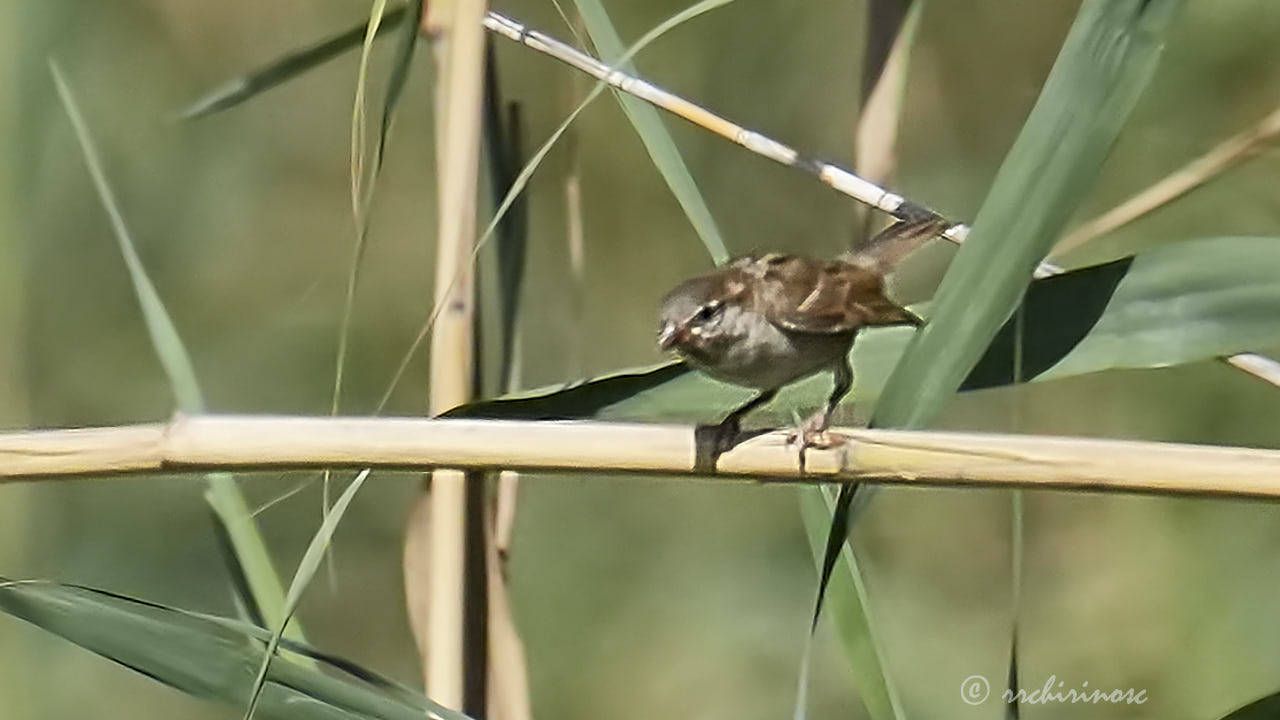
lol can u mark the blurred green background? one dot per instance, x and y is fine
(636, 598)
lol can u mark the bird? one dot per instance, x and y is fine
(765, 321)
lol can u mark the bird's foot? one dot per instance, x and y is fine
(812, 433)
(712, 441)
(725, 435)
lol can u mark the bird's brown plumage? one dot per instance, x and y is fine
(820, 296)
(766, 321)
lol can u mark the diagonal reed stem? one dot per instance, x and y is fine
(838, 178)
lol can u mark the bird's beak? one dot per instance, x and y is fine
(668, 335)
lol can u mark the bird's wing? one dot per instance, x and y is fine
(826, 297)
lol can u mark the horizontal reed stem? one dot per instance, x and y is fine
(232, 442)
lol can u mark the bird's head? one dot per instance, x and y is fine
(700, 316)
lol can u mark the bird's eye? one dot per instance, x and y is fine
(708, 311)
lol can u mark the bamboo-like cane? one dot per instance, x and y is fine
(1226, 154)
(440, 547)
(211, 442)
(842, 180)
(838, 178)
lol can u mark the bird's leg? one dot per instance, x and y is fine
(813, 432)
(726, 433)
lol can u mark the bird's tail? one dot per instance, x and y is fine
(883, 252)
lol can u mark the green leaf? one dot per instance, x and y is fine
(281, 70)
(213, 658)
(1265, 708)
(310, 562)
(522, 178)
(653, 133)
(1106, 61)
(891, 35)
(1217, 293)
(399, 70)
(222, 494)
(501, 291)
(585, 399)
(850, 609)
(1173, 304)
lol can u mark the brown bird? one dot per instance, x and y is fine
(766, 321)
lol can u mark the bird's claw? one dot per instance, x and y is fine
(812, 433)
(726, 436)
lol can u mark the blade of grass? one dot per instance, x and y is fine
(359, 122)
(440, 657)
(170, 351)
(222, 493)
(399, 74)
(1013, 710)
(887, 65)
(307, 567)
(252, 84)
(504, 137)
(522, 179)
(232, 510)
(362, 188)
(361, 198)
(851, 609)
(212, 658)
(1109, 56)
(653, 133)
(575, 240)
(241, 593)
(1106, 61)
(1222, 157)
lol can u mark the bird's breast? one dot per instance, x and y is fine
(764, 356)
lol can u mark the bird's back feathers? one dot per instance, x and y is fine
(820, 296)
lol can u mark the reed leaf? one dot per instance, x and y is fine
(850, 609)
(213, 658)
(223, 495)
(307, 568)
(891, 34)
(294, 63)
(535, 160)
(1173, 304)
(1265, 708)
(653, 133)
(399, 71)
(1106, 61)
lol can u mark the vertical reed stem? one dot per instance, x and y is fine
(438, 552)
